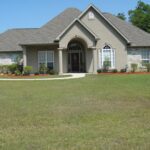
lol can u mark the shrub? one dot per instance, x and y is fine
(17, 73)
(106, 65)
(134, 67)
(123, 70)
(114, 70)
(27, 70)
(52, 72)
(43, 69)
(4, 69)
(147, 67)
(1, 69)
(36, 73)
(99, 71)
(20, 68)
(12, 68)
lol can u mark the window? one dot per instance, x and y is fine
(91, 15)
(108, 57)
(145, 57)
(46, 58)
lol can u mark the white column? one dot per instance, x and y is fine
(94, 60)
(24, 56)
(60, 60)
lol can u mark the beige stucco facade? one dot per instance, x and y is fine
(85, 34)
(107, 35)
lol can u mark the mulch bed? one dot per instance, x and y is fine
(23, 76)
(125, 73)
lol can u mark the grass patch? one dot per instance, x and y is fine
(93, 113)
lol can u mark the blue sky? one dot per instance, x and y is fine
(34, 13)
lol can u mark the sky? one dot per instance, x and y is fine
(35, 13)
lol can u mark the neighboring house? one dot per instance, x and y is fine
(76, 41)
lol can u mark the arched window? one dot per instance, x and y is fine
(108, 57)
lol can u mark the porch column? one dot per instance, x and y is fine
(60, 60)
(24, 56)
(94, 60)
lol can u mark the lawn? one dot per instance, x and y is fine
(99, 112)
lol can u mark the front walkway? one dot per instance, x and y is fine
(73, 76)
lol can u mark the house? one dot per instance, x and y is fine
(76, 41)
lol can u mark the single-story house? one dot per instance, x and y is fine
(76, 41)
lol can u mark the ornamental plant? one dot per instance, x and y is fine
(147, 67)
(27, 70)
(43, 69)
(134, 67)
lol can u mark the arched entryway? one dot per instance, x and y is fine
(76, 56)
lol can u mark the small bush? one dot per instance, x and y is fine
(52, 72)
(99, 71)
(18, 73)
(147, 67)
(36, 73)
(27, 70)
(4, 69)
(43, 69)
(123, 70)
(134, 67)
(1, 70)
(106, 65)
(12, 68)
(20, 68)
(114, 70)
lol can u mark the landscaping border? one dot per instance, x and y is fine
(73, 76)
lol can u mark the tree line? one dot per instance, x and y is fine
(139, 17)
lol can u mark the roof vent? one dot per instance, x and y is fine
(91, 15)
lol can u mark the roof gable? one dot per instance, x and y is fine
(101, 14)
(137, 36)
(10, 40)
(82, 24)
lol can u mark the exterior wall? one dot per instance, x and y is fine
(108, 36)
(8, 58)
(32, 57)
(76, 31)
(89, 61)
(135, 57)
(65, 61)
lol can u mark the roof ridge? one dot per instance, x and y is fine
(61, 13)
(129, 23)
(22, 29)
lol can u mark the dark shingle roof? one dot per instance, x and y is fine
(10, 40)
(136, 36)
(56, 26)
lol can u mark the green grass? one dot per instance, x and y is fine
(103, 112)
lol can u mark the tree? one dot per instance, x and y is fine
(121, 16)
(140, 16)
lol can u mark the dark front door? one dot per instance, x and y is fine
(76, 57)
(75, 62)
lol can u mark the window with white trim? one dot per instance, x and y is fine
(46, 58)
(145, 57)
(108, 57)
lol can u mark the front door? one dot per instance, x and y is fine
(75, 63)
(76, 57)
